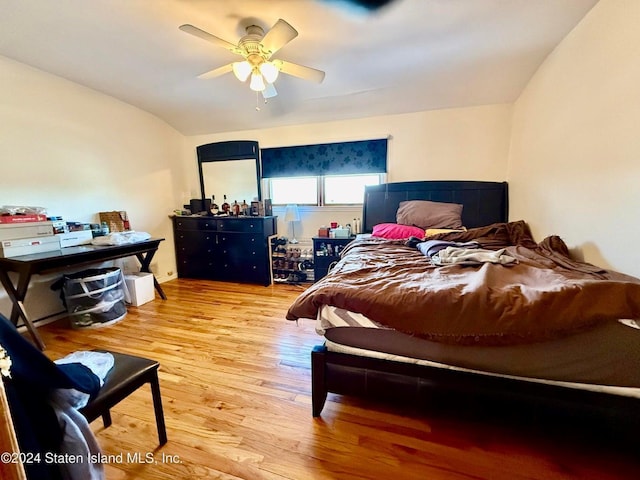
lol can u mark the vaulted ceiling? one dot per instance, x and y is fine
(411, 55)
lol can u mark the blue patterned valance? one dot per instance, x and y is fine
(344, 158)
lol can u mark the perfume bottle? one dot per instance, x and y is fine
(244, 208)
(235, 208)
(214, 205)
(225, 206)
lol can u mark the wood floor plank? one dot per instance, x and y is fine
(236, 387)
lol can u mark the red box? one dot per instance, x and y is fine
(323, 232)
(22, 218)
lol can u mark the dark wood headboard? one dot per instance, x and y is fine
(483, 203)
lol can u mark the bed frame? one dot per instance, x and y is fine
(483, 203)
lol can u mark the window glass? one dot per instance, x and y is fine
(347, 189)
(299, 190)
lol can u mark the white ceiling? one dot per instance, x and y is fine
(412, 55)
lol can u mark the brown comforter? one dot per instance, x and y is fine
(545, 295)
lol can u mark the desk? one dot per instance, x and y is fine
(27, 265)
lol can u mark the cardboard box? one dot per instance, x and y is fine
(22, 218)
(13, 231)
(141, 288)
(27, 246)
(73, 239)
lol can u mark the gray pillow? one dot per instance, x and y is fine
(426, 214)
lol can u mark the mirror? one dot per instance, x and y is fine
(231, 169)
(234, 178)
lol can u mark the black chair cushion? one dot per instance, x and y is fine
(127, 375)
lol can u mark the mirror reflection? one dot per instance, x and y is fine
(234, 178)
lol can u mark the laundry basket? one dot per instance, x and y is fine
(95, 297)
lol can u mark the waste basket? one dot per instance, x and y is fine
(95, 297)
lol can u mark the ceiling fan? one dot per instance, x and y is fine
(257, 48)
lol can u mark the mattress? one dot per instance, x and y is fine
(605, 356)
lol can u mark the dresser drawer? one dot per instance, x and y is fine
(242, 225)
(195, 223)
(194, 240)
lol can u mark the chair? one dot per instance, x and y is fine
(33, 375)
(127, 375)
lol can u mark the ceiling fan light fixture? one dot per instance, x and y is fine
(269, 71)
(257, 48)
(242, 70)
(257, 82)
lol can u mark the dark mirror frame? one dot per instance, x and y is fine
(231, 150)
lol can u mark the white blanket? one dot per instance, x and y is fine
(471, 256)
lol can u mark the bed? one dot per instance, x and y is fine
(593, 366)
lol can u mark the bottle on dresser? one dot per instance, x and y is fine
(235, 208)
(214, 206)
(225, 206)
(244, 208)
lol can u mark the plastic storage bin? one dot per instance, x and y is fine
(95, 297)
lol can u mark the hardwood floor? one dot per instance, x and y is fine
(235, 381)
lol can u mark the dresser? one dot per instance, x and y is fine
(233, 249)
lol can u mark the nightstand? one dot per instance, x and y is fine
(326, 251)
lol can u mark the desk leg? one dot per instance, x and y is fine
(17, 298)
(145, 261)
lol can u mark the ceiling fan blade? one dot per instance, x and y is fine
(279, 35)
(300, 71)
(195, 31)
(217, 72)
(269, 91)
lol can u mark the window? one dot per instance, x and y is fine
(321, 190)
(300, 190)
(347, 189)
(323, 174)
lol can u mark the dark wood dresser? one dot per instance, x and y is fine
(234, 249)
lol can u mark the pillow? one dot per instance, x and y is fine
(393, 231)
(426, 214)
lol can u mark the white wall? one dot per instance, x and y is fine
(78, 152)
(575, 156)
(456, 144)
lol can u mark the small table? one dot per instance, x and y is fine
(36, 263)
(326, 251)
